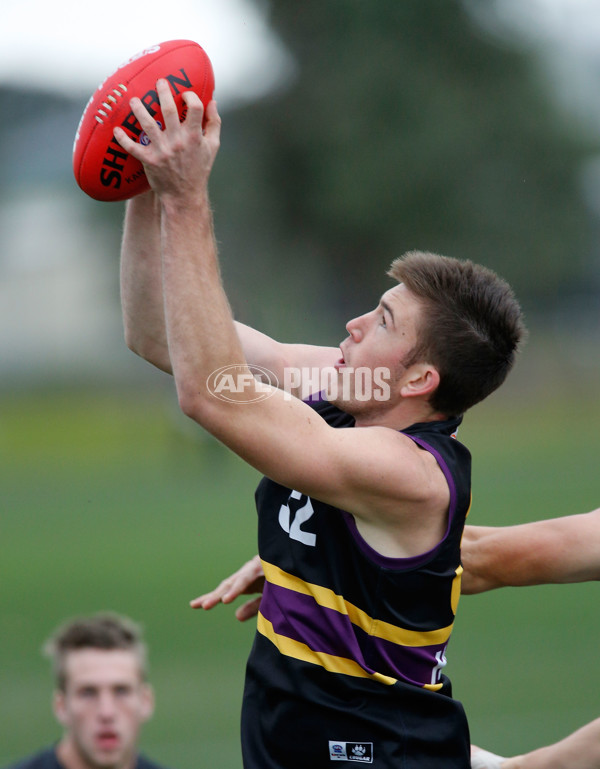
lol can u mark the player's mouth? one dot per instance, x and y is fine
(108, 740)
(341, 362)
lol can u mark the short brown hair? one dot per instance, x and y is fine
(471, 326)
(104, 630)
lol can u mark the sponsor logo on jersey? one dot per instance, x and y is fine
(351, 751)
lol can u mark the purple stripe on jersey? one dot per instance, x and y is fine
(328, 631)
(412, 562)
(323, 630)
(317, 397)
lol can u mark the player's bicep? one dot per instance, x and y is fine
(372, 472)
(368, 471)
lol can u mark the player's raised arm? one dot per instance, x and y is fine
(398, 490)
(141, 282)
(279, 436)
(293, 365)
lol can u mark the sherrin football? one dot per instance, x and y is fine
(101, 166)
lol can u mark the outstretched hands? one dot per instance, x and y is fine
(245, 581)
(177, 160)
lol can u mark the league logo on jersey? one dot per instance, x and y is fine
(351, 751)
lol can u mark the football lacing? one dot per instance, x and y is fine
(110, 100)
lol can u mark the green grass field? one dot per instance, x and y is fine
(110, 501)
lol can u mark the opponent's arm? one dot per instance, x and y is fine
(556, 550)
(580, 750)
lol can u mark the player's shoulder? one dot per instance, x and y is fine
(43, 759)
(143, 762)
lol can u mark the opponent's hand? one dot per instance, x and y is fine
(178, 160)
(245, 581)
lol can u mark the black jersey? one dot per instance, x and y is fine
(350, 646)
(47, 759)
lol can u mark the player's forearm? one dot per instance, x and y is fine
(556, 550)
(580, 750)
(261, 350)
(141, 282)
(142, 293)
(512, 556)
(296, 367)
(201, 334)
(143, 307)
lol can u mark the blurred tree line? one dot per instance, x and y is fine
(404, 126)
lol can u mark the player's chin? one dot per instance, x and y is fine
(343, 402)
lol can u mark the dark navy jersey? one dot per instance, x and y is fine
(47, 759)
(350, 644)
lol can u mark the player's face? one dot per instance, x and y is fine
(383, 338)
(104, 704)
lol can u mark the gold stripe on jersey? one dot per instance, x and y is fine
(455, 594)
(329, 600)
(332, 663)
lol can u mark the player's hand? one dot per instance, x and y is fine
(483, 759)
(177, 160)
(245, 581)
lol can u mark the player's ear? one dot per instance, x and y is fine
(419, 379)
(147, 702)
(59, 707)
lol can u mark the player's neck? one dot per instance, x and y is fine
(406, 413)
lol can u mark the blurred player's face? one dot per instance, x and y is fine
(104, 704)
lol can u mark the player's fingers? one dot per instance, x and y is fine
(195, 110)
(237, 585)
(208, 600)
(145, 119)
(248, 609)
(212, 125)
(483, 759)
(249, 578)
(245, 580)
(167, 105)
(204, 602)
(126, 142)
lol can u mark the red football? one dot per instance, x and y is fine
(101, 166)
